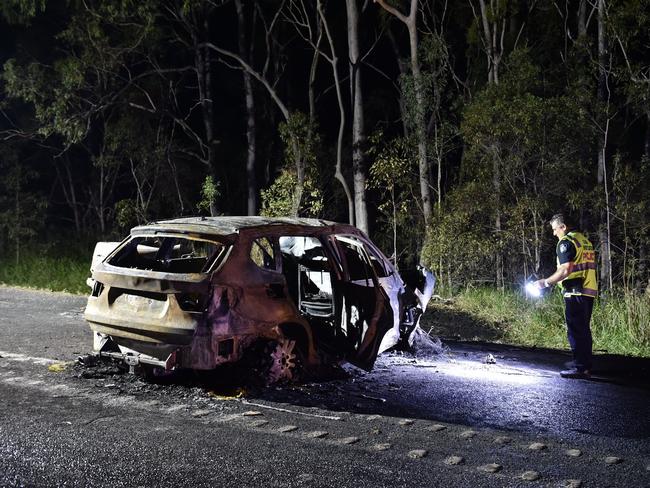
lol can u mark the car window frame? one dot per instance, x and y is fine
(355, 241)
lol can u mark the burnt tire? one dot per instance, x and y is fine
(275, 362)
(285, 362)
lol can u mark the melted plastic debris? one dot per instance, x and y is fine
(426, 346)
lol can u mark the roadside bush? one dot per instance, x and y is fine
(59, 267)
(620, 323)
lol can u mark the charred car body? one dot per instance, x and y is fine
(201, 292)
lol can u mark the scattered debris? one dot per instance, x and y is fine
(436, 428)
(574, 452)
(57, 367)
(287, 428)
(425, 345)
(489, 359)
(490, 468)
(88, 360)
(405, 422)
(502, 439)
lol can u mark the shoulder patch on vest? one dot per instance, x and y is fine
(564, 247)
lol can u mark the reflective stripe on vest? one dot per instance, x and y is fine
(583, 266)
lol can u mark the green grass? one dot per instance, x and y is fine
(50, 270)
(620, 324)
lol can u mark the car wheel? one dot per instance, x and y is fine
(285, 362)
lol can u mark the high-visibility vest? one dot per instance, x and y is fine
(583, 265)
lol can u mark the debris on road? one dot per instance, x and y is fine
(57, 367)
(489, 359)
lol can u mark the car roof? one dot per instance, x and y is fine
(232, 225)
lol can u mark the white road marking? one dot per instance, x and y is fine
(295, 412)
(22, 358)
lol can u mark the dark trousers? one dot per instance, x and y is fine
(577, 310)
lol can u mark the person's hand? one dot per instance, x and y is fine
(540, 284)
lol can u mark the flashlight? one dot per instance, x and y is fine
(532, 289)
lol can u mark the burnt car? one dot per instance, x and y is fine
(206, 291)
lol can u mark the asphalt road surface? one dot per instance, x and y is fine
(457, 415)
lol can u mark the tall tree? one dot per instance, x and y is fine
(359, 171)
(604, 95)
(251, 130)
(410, 21)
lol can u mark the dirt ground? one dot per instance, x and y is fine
(445, 321)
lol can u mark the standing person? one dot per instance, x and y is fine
(576, 275)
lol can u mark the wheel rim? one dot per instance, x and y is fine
(283, 362)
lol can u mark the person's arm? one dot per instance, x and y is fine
(566, 253)
(562, 271)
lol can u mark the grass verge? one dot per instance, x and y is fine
(47, 269)
(620, 324)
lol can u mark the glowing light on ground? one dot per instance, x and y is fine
(491, 372)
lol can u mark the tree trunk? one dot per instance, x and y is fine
(17, 218)
(300, 180)
(603, 98)
(202, 61)
(403, 70)
(100, 205)
(358, 121)
(423, 162)
(411, 24)
(496, 186)
(493, 36)
(297, 156)
(582, 18)
(646, 145)
(69, 191)
(338, 174)
(251, 131)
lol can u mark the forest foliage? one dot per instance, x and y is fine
(449, 131)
